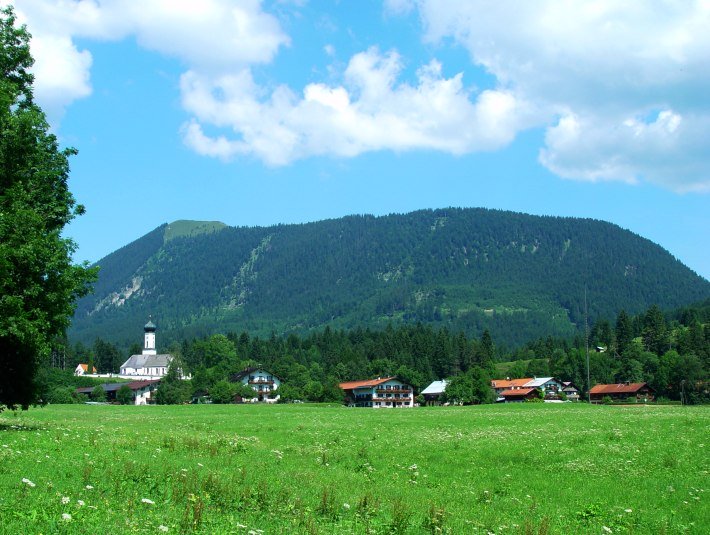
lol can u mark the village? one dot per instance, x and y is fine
(146, 370)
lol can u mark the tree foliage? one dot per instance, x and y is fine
(222, 392)
(124, 395)
(98, 394)
(469, 270)
(38, 281)
(172, 389)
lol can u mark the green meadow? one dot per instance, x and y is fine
(253, 469)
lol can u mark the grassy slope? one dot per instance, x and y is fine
(319, 469)
(186, 227)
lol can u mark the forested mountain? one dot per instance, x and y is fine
(517, 275)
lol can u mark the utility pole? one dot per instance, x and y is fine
(586, 344)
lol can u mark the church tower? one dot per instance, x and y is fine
(149, 346)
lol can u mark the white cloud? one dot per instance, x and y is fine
(209, 35)
(665, 148)
(595, 71)
(63, 71)
(371, 111)
(620, 86)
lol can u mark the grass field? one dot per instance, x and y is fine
(499, 469)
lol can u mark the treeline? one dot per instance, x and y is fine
(671, 353)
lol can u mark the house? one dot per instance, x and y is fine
(81, 369)
(499, 385)
(634, 392)
(518, 395)
(263, 382)
(570, 390)
(148, 363)
(142, 390)
(383, 392)
(432, 393)
(549, 386)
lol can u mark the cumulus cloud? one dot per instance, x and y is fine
(620, 86)
(370, 111)
(210, 35)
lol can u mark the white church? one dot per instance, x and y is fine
(147, 364)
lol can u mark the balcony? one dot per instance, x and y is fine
(260, 381)
(393, 400)
(393, 390)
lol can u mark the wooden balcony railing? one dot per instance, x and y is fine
(393, 400)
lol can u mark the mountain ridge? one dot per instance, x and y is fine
(465, 268)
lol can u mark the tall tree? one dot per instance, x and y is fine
(656, 337)
(38, 281)
(624, 332)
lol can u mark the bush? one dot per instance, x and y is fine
(244, 391)
(124, 395)
(98, 393)
(222, 392)
(62, 395)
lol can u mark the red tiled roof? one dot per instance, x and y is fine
(85, 367)
(620, 388)
(350, 385)
(510, 383)
(520, 392)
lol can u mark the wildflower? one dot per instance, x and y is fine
(28, 482)
(65, 500)
(89, 487)
(66, 516)
(147, 500)
(163, 528)
(346, 506)
(80, 502)
(628, 510)
(606, 529)
(200, 464)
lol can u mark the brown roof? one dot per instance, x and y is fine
(510, 383)
(113, 387)
(520, 392)
(350, 385)
(620, 388)
(85, 367)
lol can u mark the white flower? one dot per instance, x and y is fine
(606, 529)
(89, 487)
(65, 500)
(148, 501)
(28, 482)
(80, 502)
(66, 516)
(346, 506)
(628, 510)
(163, 528)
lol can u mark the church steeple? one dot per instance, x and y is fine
(149, 345)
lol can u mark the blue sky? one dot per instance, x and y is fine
(258, 113)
